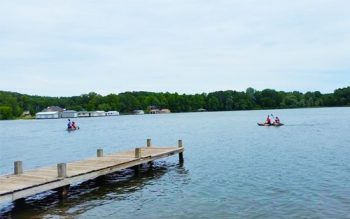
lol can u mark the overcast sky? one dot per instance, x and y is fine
(66, 48)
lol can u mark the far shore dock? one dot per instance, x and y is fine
(22, 184)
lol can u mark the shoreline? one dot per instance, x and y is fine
(320, 107)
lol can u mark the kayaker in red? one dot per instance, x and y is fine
(268, 120)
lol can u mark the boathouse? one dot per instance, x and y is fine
(97, 113)
(69, 114)
(112, 113)
(84, 114)
(47, 115)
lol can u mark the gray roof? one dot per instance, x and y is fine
(53, 109)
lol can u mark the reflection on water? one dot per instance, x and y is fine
(87, 195)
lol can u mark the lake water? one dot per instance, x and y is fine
(233, 168)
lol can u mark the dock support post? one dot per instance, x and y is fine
(149, 142)
(99, 152)
(18, 167)
(137, 155)
(181, 155)
(63, 191)
(137, 152)
(62, 170)
(19, 204)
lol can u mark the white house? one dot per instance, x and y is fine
(47, 115)
(97, 113)
(157, 111)
(165, 111)
(84, 114)
(112, 113)
(69, 114)
(139, 112)
(154, 111)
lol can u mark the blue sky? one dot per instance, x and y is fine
(65, 48)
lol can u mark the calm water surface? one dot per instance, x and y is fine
(232, 169)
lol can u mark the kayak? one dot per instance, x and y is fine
(263, 124)
(72, 129)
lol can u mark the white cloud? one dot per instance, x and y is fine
(73, 47)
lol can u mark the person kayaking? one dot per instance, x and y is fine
(274, 121)
(69, 125)
(74, 125)
(277, 120)
(268, 120)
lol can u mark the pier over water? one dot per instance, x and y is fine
(22, 183)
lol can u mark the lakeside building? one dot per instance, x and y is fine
(25, 113)
(112, 113)
(69, 114)
(154, 111)
(157, 111)
(51, 112)
(138, 112)
(165, 111)
(84, 114)
(47, 115)
(97, 113)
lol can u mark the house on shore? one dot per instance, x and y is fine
(112, 113)
(84, 114)
(51, 112)
(138, 112)
(47, 115)
(165, 111)
(54, 112)
(97, 113)
(69, 114)
(154, 111)
(157, 111)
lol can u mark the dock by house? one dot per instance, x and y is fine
(22, 184)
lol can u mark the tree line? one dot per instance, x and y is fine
(12, 105)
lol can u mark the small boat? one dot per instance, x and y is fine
(273, 124)
(72, 129)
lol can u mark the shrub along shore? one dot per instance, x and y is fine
(16, 105)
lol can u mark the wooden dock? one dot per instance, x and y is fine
(23, 184)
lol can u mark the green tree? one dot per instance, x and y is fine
(6, 112)
(213, 103)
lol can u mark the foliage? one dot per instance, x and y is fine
(12, 104)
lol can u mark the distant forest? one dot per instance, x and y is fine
(12, 105)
